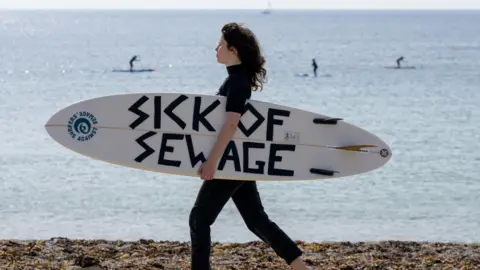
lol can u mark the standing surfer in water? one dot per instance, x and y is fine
(315, 67)
(398, 61)
(134, 58)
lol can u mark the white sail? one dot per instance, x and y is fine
(268, 9)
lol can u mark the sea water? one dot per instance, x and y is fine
(429, 116)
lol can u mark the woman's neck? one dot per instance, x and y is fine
(233, 62)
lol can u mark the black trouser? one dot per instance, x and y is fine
(212, 197)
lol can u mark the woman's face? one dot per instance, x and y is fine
(224, 55)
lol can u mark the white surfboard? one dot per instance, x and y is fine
(173, 133)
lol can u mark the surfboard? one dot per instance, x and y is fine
(134, 70)
(173, 133)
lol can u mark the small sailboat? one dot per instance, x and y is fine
(268, 10)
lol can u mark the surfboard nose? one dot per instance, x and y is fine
(63, 116)
(53, 124)
(55, 120)
(50, 121)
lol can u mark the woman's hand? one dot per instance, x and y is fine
(207, 170)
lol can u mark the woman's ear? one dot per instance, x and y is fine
(234, 50)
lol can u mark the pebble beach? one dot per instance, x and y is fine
(64, 253)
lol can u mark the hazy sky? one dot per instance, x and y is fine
(244, 4)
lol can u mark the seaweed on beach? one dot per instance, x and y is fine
(63, 253)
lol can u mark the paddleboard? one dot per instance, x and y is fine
(307, 75)
(134, 70)
(173, 133)
(401, 67)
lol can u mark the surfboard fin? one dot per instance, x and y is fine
(326, 121)
(354, 147)
(323, 172)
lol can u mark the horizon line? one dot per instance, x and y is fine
(232, 9)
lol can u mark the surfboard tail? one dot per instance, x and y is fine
(355, 147)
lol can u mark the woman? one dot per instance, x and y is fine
(239, 51)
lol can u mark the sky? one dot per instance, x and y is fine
(239, 4)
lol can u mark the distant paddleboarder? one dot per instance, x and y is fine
(134, 58)
(315, 67)
(398, 61)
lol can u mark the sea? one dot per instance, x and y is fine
(430, 116)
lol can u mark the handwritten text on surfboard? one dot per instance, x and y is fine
(231, 151)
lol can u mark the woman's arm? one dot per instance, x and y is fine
(207, 170)
(226, 134)
(237, 88)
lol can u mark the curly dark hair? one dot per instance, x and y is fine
(248, 48)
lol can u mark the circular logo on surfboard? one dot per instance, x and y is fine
(384, 152)
(81, 126)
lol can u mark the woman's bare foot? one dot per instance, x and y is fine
(299, 264)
